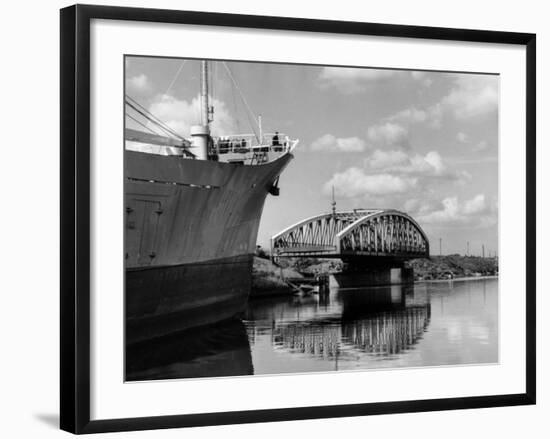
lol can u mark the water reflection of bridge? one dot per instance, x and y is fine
(382, 322)
(388, 333)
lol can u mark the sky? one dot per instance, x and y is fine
(422, 142)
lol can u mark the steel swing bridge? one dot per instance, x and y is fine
(384, 234)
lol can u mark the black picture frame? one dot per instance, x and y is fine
(75, 217)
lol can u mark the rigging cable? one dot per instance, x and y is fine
(235, 109)
(142, 124)
(244, 100)
(151, 117)
(175, 77)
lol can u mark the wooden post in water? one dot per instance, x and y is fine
(323, 284)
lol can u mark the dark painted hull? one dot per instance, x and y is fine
(163, 300)
(191, 230)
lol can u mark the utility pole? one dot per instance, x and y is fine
(467, 248)
(440, 247)
(483, 251)
(333, 202)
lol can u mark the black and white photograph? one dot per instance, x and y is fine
(294, 218)
(275, 219)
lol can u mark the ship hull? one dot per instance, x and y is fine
(164, 300)
(191, 230)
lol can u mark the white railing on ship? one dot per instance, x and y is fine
(245, 143)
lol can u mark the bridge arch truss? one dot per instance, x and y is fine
(368, 232)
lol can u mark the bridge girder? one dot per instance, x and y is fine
(368, 232)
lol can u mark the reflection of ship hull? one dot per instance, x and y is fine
(211, 351)
(191, 228)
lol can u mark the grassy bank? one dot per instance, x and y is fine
(267, 278)
(453, 266)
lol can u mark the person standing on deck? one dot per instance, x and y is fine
(275, 140)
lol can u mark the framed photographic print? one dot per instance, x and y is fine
(304, 218)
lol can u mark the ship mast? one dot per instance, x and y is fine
(205, 116)
(201, 133)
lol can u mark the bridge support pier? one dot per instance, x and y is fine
(356, 275)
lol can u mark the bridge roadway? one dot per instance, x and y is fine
(377, 236)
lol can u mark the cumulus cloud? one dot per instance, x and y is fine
(431, 164)
(354, 182)
(330, 143)
(351, 80)
(138, 84)
(180, 115)
(400, 162)
(388, 134)
(481, 146)
(448, 213)
(462, 137)
(475, 205)
(475, 212)
(422, 77)
(420, 207)
(472, 96)
(410, 115)
(397, 173)
(387, 159)
(330, 73)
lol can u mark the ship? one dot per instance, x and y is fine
(192, 212)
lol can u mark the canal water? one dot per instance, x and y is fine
(425, 324)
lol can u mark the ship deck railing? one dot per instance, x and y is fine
(248, 143)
